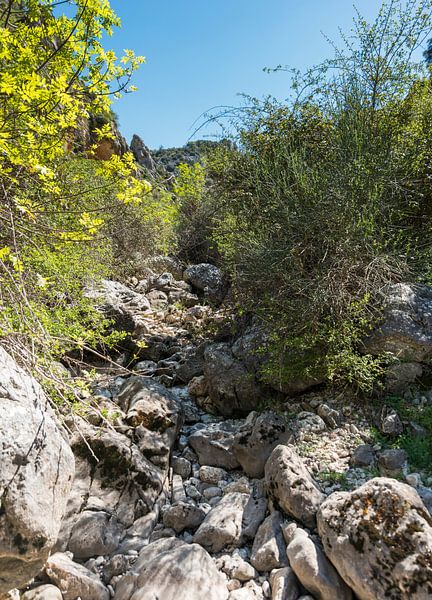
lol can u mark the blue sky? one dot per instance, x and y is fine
(203, 53)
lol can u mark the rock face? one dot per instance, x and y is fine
(314, 570)
(232, 388)
(406, 330)
(142, 154)
(207, 279)
(35, 477)
(379, 538)
(172, 570)
(257, 439)
(290, 485)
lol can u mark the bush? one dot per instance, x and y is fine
(326, 199)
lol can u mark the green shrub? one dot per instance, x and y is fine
(326, 200)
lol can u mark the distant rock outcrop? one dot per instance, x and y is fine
(142, 154)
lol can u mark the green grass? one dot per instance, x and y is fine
(418, 448)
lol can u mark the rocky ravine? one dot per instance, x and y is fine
(183, 489)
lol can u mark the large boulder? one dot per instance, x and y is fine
(234, 520)
(35, 477)
(379, 538)
(120, 303)
(232, 388)
(75, 580)
(256, 440)
(268, 550)
(291, 486)
(314, 570)
(214, 444)
(113, 477)
(95, 533)
(154, 413)
(207, 279)
(172, 570)
(406, 329)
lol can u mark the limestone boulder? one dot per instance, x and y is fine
(172, 570)
(291, 486)
(406, 330)
(74, 580)
(37, 469)
(232, 388)
(268, 550)
(256, 440)
(314, 570)
(379, 538)
(214, 444)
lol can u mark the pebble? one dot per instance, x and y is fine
(212, 492)
(266, 589)
(414, 479)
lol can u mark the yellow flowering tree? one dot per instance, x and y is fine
(54, 75)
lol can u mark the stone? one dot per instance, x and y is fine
(400, 375)
(414, 479)
(165, 264)
(250, 591)
(291, 486)
(363, 456)
(157, 299)
(390, 422)
(209, 474)
(393, 461)
(239, 485)
(122, 481)
(120, 303)
(237, 568)
(198, 387)
(284, 584)
(117, 565)
(213, 444)
(208, 279)
(425, 494)
(232, 388)
(172, 570)
(222, 527)
(379, 538)
(406, 329)
(181, 466)
(268, 550)
(183, 516)
(95, 533)
(329, 415)
(255, 510)
(314, 570)
(192, 365)
(37, 469)
(155, 414)
(212, 492)
(184, 298)
(256, 440)
(309, 422)
(74, 580)
(43, 592)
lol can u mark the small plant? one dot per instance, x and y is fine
(334, 477)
